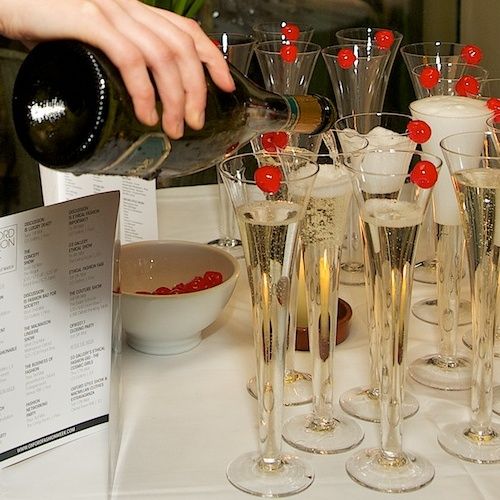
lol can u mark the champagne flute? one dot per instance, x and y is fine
(237, 49)
(392, 206)
(357, 72)
(438, 54)
(473, 159)
(269, 210)
(490, 89)
(493, 125)
(380, 130)
(324, 430)
(388, 40)
(288, 77)
(447, 369)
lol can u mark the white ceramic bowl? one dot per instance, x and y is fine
(171, 324)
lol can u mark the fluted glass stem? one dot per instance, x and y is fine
(321, 264)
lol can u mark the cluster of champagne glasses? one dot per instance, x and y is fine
(351, 205)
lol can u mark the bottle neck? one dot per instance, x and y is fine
(309, 114)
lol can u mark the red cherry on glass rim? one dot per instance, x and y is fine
(418, 131)
(471, 54)
(467, 85)
(289, 53)
(268, 178)
(346, 58)
(290, 31)
(272, 141)
(424, 174)
(429, 77)
(384, 39)
(493, 103)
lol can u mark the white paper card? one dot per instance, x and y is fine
(138, 213)
(55, 323)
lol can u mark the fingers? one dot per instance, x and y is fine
(206, 50)
(175, 53)
(144, 43)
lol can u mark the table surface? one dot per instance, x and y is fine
(185, 417)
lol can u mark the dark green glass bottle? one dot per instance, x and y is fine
(71, 111)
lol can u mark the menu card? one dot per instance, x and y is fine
(55, 323)
(138, 219)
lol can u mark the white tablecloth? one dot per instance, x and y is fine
(187, 416)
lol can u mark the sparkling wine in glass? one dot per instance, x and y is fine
(269, 195)
(474, 162)
(324, 430)
(392, 206)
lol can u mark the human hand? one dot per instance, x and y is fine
(150, 47)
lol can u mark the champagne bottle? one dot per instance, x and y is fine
(72, 111)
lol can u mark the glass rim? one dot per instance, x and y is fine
(397, 35)
(479, 69)
(303, 47)
(244, 38)
(492, 121)
(406, 49)
(372, 52)
(423, 113)
(304, 27)
(372, 113)
(437, 162)
(252, 182)
(486, 133)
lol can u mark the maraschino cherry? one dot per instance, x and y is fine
(273, 141)
(346, 58)
(418, 131)
(466, 86)
(268, 178)
(424, 174)
(429, 77)
(288, 53)
(290, 31)
(493, 103)
(384, 39)
(471, 54)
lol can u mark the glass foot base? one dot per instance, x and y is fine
(297, 389)
(363, 403)
(467, 340)
(496, 399)
(352, 273)
(231, 245)
(249, 474)
(342, 435)
(425, 271)
(458, 440)
(371, 469)
(427, 310)
(437, 372)
(225, 242)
